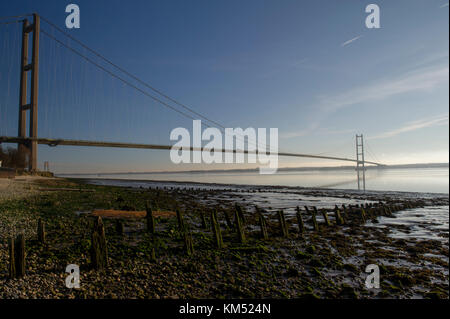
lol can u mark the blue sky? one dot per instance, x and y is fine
(286, 64)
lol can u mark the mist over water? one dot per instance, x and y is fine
(428, 180)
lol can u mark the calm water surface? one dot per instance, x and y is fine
(427, 223)
(430, 180)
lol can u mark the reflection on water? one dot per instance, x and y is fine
(433, 180)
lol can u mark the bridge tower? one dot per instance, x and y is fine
(30, 148)
(360, 162)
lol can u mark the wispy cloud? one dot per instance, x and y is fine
(423, 79)
(444, 5)
(350, 41)
(414, 125)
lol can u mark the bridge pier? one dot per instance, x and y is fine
(23, 148)
(360, 163)
(30, 148)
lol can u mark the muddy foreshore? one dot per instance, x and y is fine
(326, 263)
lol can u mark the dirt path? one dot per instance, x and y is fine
(19, 187)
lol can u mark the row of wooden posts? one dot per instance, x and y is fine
(341, 218)
(99, 251)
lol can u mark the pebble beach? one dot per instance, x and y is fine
(324, 263)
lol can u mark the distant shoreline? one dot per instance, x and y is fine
(282, 169)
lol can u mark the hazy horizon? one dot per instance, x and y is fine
(300, 168)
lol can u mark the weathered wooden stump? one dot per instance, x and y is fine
(380, 210)
(337, 214)
(19, 246)
(239, 227)
(263, 225)
(240, 212)
(218, 241)
(389, 211)
(150, 219)
(41, 231)
(301, 225)
(17, 257)
(180, 220)
(282, 221)
(344, 213)
(313, 217)
(99, 251)
(188, 242)
(363, 215)
(12, 259)
(325, 216)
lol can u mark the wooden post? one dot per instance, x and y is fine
(203, 219)
(19, 255)
(240, 213)
(239, 226)
(344, 213)
(180, 220)
(263, 225)
(314, 220)
(218, 241)
(99, 251)
(338, 217)
(325, 216)
(150, 219)
(188, 242)
(283, 227)
(12, 259)
(301, 225)
(41, 231)
(389, 211)
(363, 215)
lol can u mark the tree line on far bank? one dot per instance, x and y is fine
(11, 158)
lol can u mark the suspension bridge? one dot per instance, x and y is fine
(29, 78)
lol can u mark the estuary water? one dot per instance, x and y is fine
(429, 222)
(423, 180)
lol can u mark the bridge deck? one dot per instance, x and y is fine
(57, 142)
